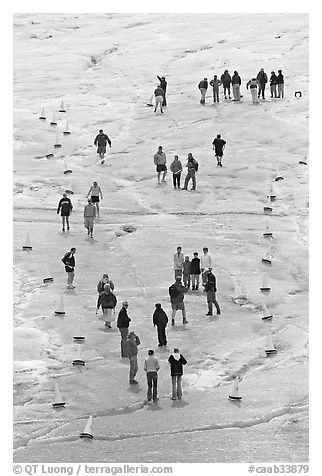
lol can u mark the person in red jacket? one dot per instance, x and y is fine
(100, 140)
(64, 207)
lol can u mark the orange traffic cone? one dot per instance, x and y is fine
(27, 246)
(48, 278)
(53, 121)
(67, 169)
(235, 394)
(62, 107)
(79, 360)
(265, 286)
(57, 144)
(58, 399)
(270, 349)
(66, 132)
(42, 115)
(88, 432)
(60, 307)
(267, 233)
(266, 314)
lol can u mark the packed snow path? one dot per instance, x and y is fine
(104, 68)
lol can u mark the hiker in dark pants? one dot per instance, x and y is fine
(218, 145)
(160, 319)
(262, 79)
(176, 292)
(131, 348)
(123, 322)
(192, 166)
(211, 289)
(151, 366)
(163, 85)
(176, 361)
(203, 86)
(100, 140)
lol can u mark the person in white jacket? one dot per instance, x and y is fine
(206, 264)
(151, 366)
(178, 260)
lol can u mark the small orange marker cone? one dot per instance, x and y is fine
(47, 278)
(267, 258)
(49, 154)
(60, 308)
(271, 195)
(69, 189)
(67, 169)
(88, 432)
(58, 399)
(266, 314)
(27, 246)
(235, 394)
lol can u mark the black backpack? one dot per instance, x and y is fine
(196, 166)
(173, 291)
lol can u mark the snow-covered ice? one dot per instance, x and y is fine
(103, 67)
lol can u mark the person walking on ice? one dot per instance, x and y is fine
(160, 319)
(131, 349)
(226, 81)
(253, 85)
(203, 86)
(123, 323)
(262, 79)
(195, 272)
(176, 169)
(107, 301)
(105, 280)
(160, 160)
(218, 145)
(95, 192)
(176, 292)
(176, 361)
(100, 140)
(69, 262)
(280, 84)
(163, 86)
(192, 166)
(215, 83)
(151, 367)
(159, 98)
(211, 289)
(64, 207)
(89, 215)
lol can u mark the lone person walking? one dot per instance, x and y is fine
(262, 79)
(211, 289)
(123, 322)
(192, 167)
(218, 146)
(64, 207)
(151, 366)
(69, 262)
(176, 292)
(131, 349)
(95, 192)
(176, 361)
(206, 264)
(160, 319)
(100, 140)
(89, 215)
(203, 86)
(160, 161)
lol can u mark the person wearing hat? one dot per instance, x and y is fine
(100, 140)
(203, 86)
(64, 207)
(95, 192)
(262, 79)
(226, 81)
(107, 300)
(89, 215)
(253, 85)
(176, 293)
(236, 82)
(131, 349)
(176, 361)
(151, 366)
(105, 280)
(272, 84)
(163, 85)
(280, 84)
(123, 322)
(159, 98)
(160, 319)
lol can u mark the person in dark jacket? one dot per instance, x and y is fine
(236, 82)
(253, 85)
(100, 140)
(105, 280)
(159, 98)
(280, 84)
(262, 79)
(218, 146)
(211, 289)
(69, 262)
(131, 349)
(123, 322)
(195, 271)
(176, 169)
(176, 292)
(186, 272)
(160, 319)
(107, 300)
(192, 166)
(203, 86)
(215, 83)
(163, 85)
(64, 207)
(272, 84)
(226, 81)
(176, 361)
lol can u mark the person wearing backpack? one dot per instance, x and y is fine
(192, 166)
(211, 289)
(69, 262)
(176, 293)
(107, 300)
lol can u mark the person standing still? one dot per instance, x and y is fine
(131, 348)
(280, 84)
(273, 83)
(95, 192)
(176, 361)
(151, 366)
(176, 169)
(163, 85)
(236, 83)
(203, 86)
(186, 272)
(226, 81)
(123, 322)
(206, 264)
(160, 319)
(160, 161)
(262, 79)
(215, 83)
(69, 262)
(178, 260)
(192, 166)
(211, 290)
(100, 140)
(65, 207)
(89, 215)
(195, 271)
(159, 98)
(218, 146)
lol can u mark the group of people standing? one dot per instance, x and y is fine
(176, 168)
(256, 85)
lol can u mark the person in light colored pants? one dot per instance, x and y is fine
(236, 92)
(203, 92)
(280, 90)
(158, 102)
